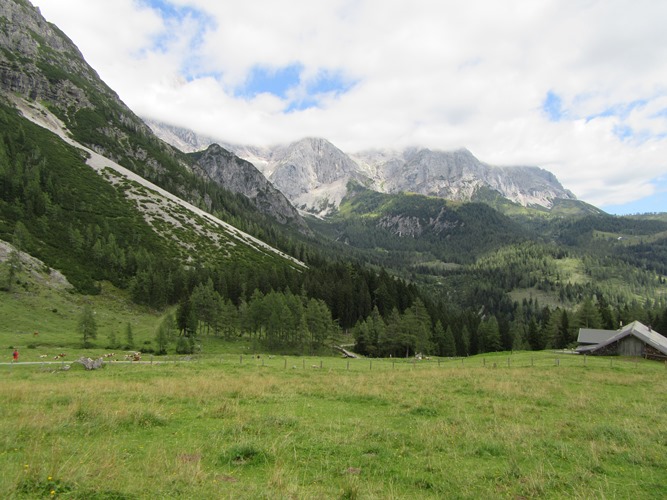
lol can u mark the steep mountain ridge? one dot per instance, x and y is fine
(458, 176)
(313, 173)
(241, 176)
(158, 206)
(156, 210)
(41, 63)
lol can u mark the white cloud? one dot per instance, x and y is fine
(445, 75)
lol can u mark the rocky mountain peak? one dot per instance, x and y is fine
(241, 176)
(313, 174)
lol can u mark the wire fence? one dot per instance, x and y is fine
(522, 360)
(495, 361)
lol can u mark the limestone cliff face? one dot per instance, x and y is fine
(240, 176)
(39, 62)
(313, 173)
(459, 176)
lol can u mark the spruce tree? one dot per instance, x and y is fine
(588, 316)
(448, 344)
(87, 325)
(129, 337)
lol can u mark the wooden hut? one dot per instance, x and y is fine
(634, 339)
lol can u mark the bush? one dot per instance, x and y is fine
(243, 454)
(185, 345)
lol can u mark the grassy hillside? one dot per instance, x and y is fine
(543, 427)
(400, 223)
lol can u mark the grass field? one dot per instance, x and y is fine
(524, 425)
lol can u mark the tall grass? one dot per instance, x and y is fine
(232, 427)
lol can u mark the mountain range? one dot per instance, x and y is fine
(45, 79)
(314, 174)
(90, 190)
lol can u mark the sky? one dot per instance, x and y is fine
(578, 87)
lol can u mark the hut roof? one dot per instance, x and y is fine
(594, 335)
(636, 329)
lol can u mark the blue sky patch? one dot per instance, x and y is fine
(276, 81)
(280, 81)
(621, 110)
(623, 132)
(175, 14)
(553, 106)
(654, 203)
(326, 83)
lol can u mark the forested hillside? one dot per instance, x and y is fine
(403, 273)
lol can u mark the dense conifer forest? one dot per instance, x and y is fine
(473, 281)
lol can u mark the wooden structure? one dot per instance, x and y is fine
(634, 339)
(594, 336)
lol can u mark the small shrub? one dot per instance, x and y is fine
(424, 411)
(43, 487)
(185, 345)
(143, 419)
(244, 454)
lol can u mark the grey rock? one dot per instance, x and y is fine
(240, 176)
(313, 173)
(90, 364)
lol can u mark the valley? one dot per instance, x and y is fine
(217, 283)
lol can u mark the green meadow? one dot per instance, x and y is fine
(521, 425)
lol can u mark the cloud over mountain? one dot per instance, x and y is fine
(575, 88)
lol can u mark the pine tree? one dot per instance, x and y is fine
(465, 341)
(14, 260)
(588, 316)
(534, 337)
(129, 337)
(87, 325)
(518, 332)
(448, 346)
(489, 335)
(164, 334)
(565, 337)
(113, 340)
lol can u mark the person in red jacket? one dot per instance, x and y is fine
(15, 355)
